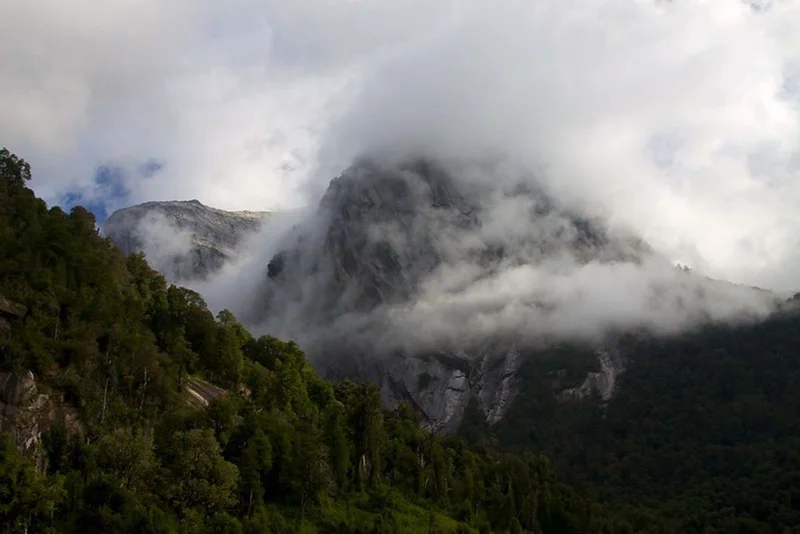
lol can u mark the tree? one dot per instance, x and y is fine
(25, 494)
(365, 419)
(14, 171)
(223, 355)
(199, 476)
(254, 465)
(176, 345)
(129, 455)
(336, 441)
(227, 319)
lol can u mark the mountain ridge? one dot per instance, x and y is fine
(185, 240)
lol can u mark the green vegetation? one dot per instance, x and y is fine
(703, 434)
(281, 451)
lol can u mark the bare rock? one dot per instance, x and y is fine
(18, 388)
(10, 312)
(10, 309)
(25, 412)
(182, 240)
(602, 383)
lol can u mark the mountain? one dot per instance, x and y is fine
(183, 240)
(343, 283)
(439, 281)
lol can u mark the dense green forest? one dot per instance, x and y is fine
(280, 451)
(704, 431)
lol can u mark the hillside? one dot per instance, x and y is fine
(103, 340)
(702, 429)
(663, 393)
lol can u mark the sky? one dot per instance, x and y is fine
(679, 119)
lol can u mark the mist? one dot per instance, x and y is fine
(673, 118)
(482, 257)
(166, 246)
(673, 124)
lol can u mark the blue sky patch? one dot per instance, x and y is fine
(109, 189)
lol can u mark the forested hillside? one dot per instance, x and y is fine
(703, 432)
(281, 451)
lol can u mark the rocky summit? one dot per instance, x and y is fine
(184, 240)
(340, 282)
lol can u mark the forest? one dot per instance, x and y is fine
(280, 450)
(703, 434)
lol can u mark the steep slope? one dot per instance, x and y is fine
(345, 283)
(183, 240)
(703, 427)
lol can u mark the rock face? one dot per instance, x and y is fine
(602, 383)
(183, 240)
(200, 393)
(440, 386)
(25, 412)
(10, 312)
(340, 281)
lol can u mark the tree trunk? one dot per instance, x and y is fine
(144, 389)
(105, 398)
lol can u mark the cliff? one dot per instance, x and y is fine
(184, 240)
(381, 233)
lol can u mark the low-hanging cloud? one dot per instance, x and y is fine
(422, 261)
(674, 121)
(679, 119)
(167, 247)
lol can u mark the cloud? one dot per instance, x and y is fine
(677, 119)
(427, 258)
(167, 246)
(191, 84)
(559, 300)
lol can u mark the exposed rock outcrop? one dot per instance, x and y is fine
(10, 312)
(25, 412)
(183, 240)
(200, 393)
(602, 383)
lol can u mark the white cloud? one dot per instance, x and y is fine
(680, 119)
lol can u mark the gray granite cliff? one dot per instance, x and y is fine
(185, 240)
(379, 234)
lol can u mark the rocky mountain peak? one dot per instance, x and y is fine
(381, 235)
(382, 229)
(184, 240)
